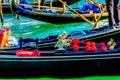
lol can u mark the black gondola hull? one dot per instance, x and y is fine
(60, 62)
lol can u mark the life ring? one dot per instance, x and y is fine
(7, 34)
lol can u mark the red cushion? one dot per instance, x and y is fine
(28, 53)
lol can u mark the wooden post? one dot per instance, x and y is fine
(50, 3)
(1, 1)
(39, 1)
(1, 13)
(64, 8)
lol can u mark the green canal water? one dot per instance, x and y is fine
(29, 28)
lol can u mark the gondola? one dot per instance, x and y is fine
(95, 50)
(52, 16)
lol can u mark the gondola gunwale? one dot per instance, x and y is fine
(61, 58)
(100, 35)
(90, 37)
(54, 18)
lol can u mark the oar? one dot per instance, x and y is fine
(99, 17)
(80, 15)
(51, 3)
(39, 2)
